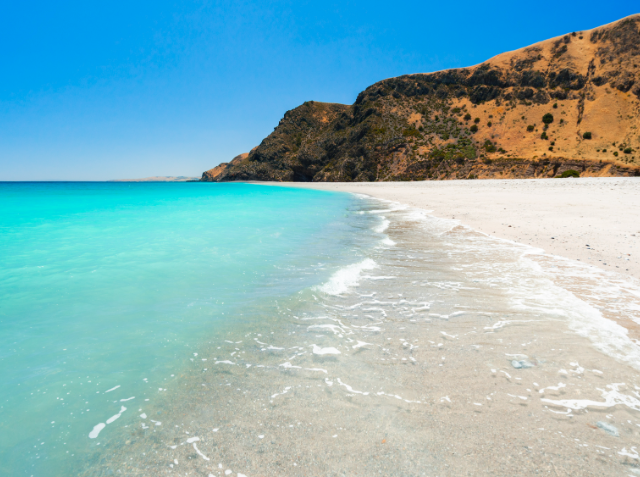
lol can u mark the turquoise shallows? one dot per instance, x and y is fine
(107, 288)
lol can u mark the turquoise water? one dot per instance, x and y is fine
(106, 287)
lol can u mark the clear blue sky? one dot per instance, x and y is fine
(94, 90)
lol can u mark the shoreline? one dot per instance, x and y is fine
(591, 220)
(440, 335)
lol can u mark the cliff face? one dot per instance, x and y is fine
(571, 102)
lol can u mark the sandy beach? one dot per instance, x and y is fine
(441, 347)
(594, 220)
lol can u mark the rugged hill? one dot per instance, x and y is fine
(569, 103)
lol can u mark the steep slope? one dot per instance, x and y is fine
(572, 102)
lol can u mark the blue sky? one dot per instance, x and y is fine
(104, 90)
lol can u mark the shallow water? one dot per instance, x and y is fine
(419, 347)
(443, 352)
(106, 287)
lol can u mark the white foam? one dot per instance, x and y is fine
(96, 430)
(360, 344)
(346, 277)
(288, 365)
(195, 447)
(112, 389)
(611, 398)
(384, 224)
(322, 351)
(334, 328)
(286, 390)
(350, 389)
(553, 388)
(633, 453)
(113, 418)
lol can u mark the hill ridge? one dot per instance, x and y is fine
(482, 121)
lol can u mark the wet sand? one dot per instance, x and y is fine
(446, 352)
(594, 220)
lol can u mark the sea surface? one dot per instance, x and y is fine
(246, 330)
(106, 287)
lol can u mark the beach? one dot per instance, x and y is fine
(294, 332)
(437, 350)
(593, 220)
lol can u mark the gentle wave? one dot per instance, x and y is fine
(346, 277)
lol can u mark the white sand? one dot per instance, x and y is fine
(561, 216)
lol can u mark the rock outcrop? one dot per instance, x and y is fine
(569, 103)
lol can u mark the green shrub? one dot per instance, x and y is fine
(544, 135)
(627, 150)
(456, 110)
(530, 128)
(489, 124)
(586, 135)
(555, 105)
(411, 132)
(615, 153)
(604, 150)
(487, 161)
(551, 148)
(547, 118)
(467, 117)
(473, 128)
(569, 173)
(477, 120)
(489, 146)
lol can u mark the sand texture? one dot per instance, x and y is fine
(594, 220)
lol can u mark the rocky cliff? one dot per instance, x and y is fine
(567, 104)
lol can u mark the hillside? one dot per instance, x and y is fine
(568, 103)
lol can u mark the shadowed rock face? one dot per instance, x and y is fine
(477, 122)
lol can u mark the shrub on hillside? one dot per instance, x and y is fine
(530, 128)
(547, 118)
(411, 132)
(628, 150)
(477, 120)
(544, 135)
(467, 117)
(489, 124)
(586, 135)
(473, 128)
(489, 146)
(569, 173)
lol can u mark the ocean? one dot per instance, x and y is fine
(240, 329)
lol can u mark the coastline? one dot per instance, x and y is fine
(410, 362)
(592, 220)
